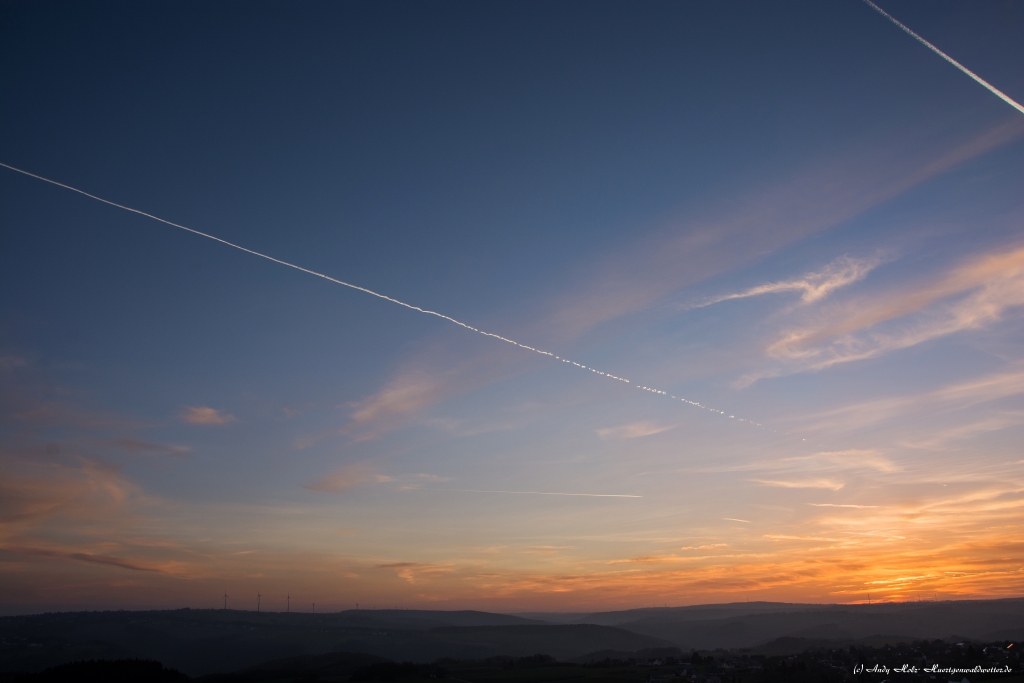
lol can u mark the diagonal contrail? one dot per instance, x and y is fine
(991, 88)
(290, 265)
(378, 295)
(543, 493)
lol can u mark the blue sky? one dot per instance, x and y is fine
(793, 213)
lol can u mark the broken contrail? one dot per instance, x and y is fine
(378, 295)
(991, 88)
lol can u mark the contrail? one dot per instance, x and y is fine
(542, 493)
(292, 265)
(991, 88)
(379, 296)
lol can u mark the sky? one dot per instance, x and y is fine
(792, 232)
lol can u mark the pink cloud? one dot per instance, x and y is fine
(970, 296)
(346, 477)
(201, 415)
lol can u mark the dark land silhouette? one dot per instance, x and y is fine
(374, 644)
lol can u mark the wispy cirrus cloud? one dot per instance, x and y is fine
(34, 491)
(959, 512)
(464, 428)
(842, 505)
(634, 430)
(817, 464)
(970, 296)
(937, 439)
(411, 482)
(812, 286)
(829, 484)
(203, 415)
(92, 558)
(849, 459)
(347, 477)
(404, 395)
(958, 395)
(62, 502)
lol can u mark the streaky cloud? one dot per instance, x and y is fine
(973, 295)
(633, 430)
(543, 493)
(802, 484)
(346, 477)
(842, 505)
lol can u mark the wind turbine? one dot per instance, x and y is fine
(225, 598)
(258, 596)
(314, 607)
(289, 607)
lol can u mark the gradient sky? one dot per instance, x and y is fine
(790, 212)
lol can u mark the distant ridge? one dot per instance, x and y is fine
(749, 624)
(199, 642)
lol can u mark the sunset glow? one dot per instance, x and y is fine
(797, 231)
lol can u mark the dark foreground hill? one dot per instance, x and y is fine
(198, 642)
(916, 662)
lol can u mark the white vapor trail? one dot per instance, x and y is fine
(543, 493)
(991, 88)
(376, 294)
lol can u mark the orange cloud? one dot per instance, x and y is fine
(138, 446)
(417, 572)
(202, 415)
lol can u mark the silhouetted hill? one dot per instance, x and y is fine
(643, 655)
(199, 642)
(106, 671)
